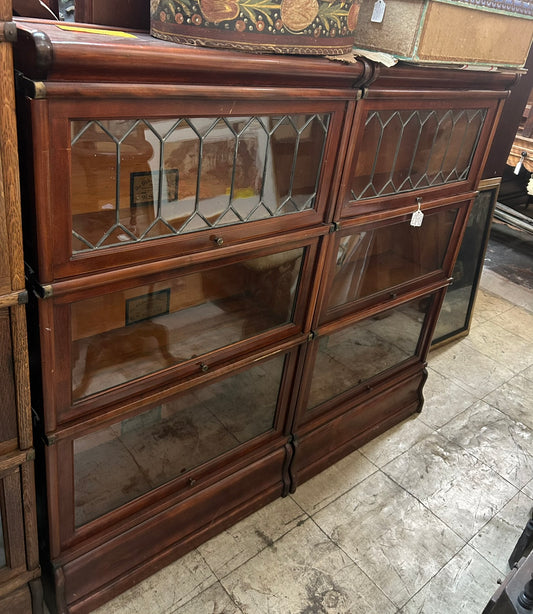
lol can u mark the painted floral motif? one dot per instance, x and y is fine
(317, 18)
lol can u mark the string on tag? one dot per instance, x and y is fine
(518, 166)
(418, 216)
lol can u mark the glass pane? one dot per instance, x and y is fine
(412, 149)
(124, 335)
(351, 356)
(454, 314)
(134, 180)
(171, 439)
(3, 561)
(374, 260)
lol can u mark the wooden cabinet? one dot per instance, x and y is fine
(232, 296)
(20, 589)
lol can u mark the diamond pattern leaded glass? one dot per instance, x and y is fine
(409, 150)
(135, 180)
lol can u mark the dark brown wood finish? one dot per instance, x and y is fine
(342, 344)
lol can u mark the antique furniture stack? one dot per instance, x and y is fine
(19, 558)
(235, 290)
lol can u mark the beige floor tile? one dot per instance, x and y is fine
(506, 347)
(214, 600)
(166, 590)
(488, 306)
(503, 444)
(518, 321)
(514, 398)
(398, 542)
(240, 543)
(469, 368)
(528, 373)
(395, 441)
(499, 285)
(304, 573)
(458, 488)
(497, 539)
(443, 399)
(465, 584)
(330, 484)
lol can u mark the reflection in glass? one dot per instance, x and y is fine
(133, 180)
(114, 465)
(353, 355)
(373, 260)
(413, 149)
(124, 335)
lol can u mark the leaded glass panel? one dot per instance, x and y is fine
(415, 149)
(116, 464)
(135, 180)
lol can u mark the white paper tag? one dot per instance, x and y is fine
(378, 12)
(519, 163)
(417, 218)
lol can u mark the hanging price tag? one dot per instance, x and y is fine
(417, 217)
(518, 166)
(378, 12)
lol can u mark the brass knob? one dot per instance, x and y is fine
(219, 241)
(204, 367)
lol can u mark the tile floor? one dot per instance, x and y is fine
(421, 520)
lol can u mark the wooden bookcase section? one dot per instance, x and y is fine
(232, 296)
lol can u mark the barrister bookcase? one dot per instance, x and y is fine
(20, 589)
(230, 293)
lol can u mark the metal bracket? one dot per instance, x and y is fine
(29, 88)
(50, 440)
(8, 32)
(40, 291)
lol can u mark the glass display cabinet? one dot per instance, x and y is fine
(229, 292)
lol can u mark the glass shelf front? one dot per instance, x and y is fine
(373, 260)
(135, 180)
(351, 356)
(124, 335)
(118, 463)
